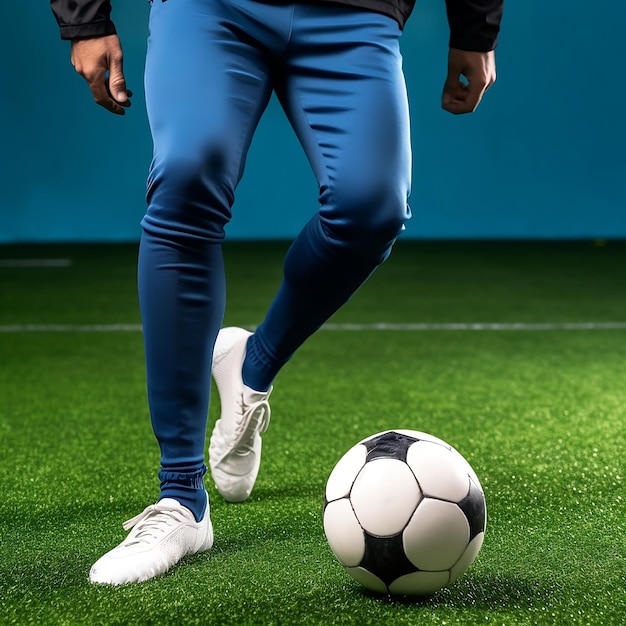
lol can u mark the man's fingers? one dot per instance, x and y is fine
(98, 86)
(461, 98)
(470, 74)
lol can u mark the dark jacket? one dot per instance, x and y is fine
(474, 24)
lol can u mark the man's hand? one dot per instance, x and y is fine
(100, 62)
(479, 71)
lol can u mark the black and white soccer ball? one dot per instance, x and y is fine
(404, 512)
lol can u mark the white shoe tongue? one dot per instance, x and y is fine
(250, 396)
(170, 502)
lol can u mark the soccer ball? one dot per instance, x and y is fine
(404, 512)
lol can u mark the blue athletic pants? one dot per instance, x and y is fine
(211, 68)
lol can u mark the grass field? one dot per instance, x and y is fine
(539, 411)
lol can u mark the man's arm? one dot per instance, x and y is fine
(474, 29)
(96, 50)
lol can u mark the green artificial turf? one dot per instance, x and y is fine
(540, 414)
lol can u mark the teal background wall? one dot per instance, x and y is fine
(544, 156)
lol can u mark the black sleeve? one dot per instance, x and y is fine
(79, 19)
(474, 24)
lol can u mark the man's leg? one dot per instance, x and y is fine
(206, 88)
(345, 96)
(343, 90)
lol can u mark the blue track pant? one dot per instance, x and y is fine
(211, 68)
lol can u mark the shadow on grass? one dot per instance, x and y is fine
(487, 592)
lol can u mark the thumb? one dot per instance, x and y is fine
(117, 83)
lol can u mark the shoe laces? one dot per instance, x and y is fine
(255, 418)
(154, 521)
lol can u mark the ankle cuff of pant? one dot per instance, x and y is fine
(258, 371)
(188, 479)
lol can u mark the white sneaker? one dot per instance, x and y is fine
(235, 447)
(162, 535)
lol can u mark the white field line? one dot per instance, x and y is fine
(24, 263)
(382, 326)
(481, 326)
(70, 328)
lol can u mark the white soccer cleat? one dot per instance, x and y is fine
(235, 447)
(162, 535)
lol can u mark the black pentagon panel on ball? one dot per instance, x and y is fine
(473, 505)
(385, 557)
(389, 445)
